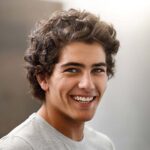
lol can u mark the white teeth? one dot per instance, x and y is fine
(83, 99)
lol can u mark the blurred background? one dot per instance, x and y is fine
(124, 113)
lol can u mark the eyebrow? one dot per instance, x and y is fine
(99, 64)
(82, 65)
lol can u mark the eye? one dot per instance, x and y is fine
(99, 70)
(72, 70)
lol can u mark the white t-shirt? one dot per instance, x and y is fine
(36, 134)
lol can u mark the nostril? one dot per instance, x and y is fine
(86, 84)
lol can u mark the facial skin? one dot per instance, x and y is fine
(77, 83)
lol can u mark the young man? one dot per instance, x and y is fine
(69, 61)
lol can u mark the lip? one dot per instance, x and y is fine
(83, 99)
(84, 95)
(84, 105)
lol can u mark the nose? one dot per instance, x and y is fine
(86, 82)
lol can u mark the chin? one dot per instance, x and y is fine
(85, 118)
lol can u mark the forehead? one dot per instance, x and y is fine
(82, 53)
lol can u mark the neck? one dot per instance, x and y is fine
(63, 124)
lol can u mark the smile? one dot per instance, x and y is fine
(83, 99)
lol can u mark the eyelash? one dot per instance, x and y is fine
(72, 70)
(98, 70)
(75, 70)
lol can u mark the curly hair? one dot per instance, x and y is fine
(62, 28)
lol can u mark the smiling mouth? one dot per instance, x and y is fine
(83, 99)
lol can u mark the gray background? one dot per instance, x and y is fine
(124, 111)
(17, 18)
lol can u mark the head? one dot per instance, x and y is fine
(50, 36)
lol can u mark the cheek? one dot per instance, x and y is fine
(105, 86)
(102, 84)
(64, 85)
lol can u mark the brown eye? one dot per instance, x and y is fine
(72, 70)
(98, 70)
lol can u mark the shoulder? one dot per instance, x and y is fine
(34, 133)
(14, 143)
(98, 139)
(19, 137)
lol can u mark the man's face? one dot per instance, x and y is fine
(78, 82)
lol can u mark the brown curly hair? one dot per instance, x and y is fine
(62, 28)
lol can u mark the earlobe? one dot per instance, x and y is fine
(42, 82)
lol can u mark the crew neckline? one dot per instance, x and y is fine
(58, 134)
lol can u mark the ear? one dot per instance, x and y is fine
(43, 82)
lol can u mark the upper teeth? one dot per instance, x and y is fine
(83, 99)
